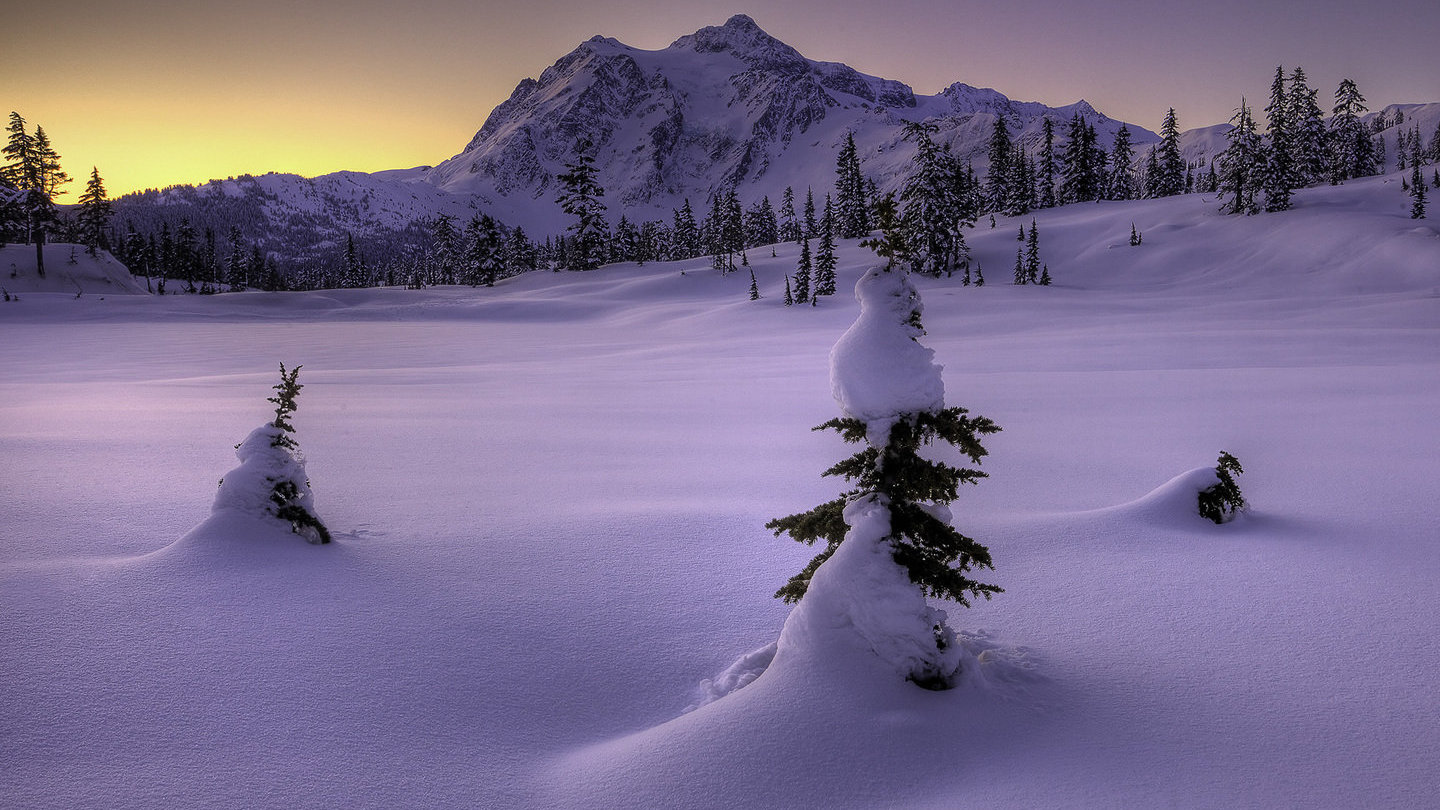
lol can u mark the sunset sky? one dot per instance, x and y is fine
(162, 92)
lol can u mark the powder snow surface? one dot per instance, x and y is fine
(548, 501)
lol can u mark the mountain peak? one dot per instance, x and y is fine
(743, 38)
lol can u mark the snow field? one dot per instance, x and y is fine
(548, 501)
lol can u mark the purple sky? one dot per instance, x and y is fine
(161, 92)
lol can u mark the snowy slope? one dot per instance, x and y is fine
(549, 498)
(68, 268)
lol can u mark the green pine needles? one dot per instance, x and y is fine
(1222, 501)
(935, 555)
(290, 504)
(285, 392)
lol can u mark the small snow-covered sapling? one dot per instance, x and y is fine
(286, 494)
(1222, 501)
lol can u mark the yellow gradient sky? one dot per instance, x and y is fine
(162, 92)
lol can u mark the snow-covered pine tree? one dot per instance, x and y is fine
(1045, 279)
(1240, 165)
(889, 537)
(825, 260)
(685, 233)
(1351, 147)
(1170, 179)
(851, 208)
(1417, 192)
(931, 219)
(1279, 177)
(754, 287)
(1047, 164)
(580, 198)
(1032, 254)
(271, 480)
(997, 178)
(1222, 501)
(802, 273)
(94, 215)
(1020, 276)
(810, 225)
(1307, 126)
(1121, 182)
(789, 225)
(1151, 180)
(789, 299)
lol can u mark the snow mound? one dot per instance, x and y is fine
(737, 676)
(68, 269)
(1173, 501)
(861, 609)
(253, 497)
(878, 368)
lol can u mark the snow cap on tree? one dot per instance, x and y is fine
(271, 479)
(878, 368)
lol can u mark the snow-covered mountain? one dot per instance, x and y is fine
(726, 105)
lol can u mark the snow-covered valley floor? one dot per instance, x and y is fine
(549, 502)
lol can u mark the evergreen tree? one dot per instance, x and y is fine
(889, 473)
(754, 287)
(852, 211)
(520, 254)
(932, 216)
(1121, 183)
(811, 226)
(1222, 501)
(1241, 165)
(761, 227)
(686, 233)
(1279, 176)
(1417, 192)
(802, 273)
(825, 261)
(237, 262)
(789, 299)
(1082, 176)
(997, 179)
(95, 211)
(581, 199)
(446, 250)
(1045, 276)
(1171, 175)
(1307, 130)
(789, 225)
(1152, 174)
(290, 497)
(1032, 255)
(32, 168)
(1352, 151)
(484, 251)
(1047, 164)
